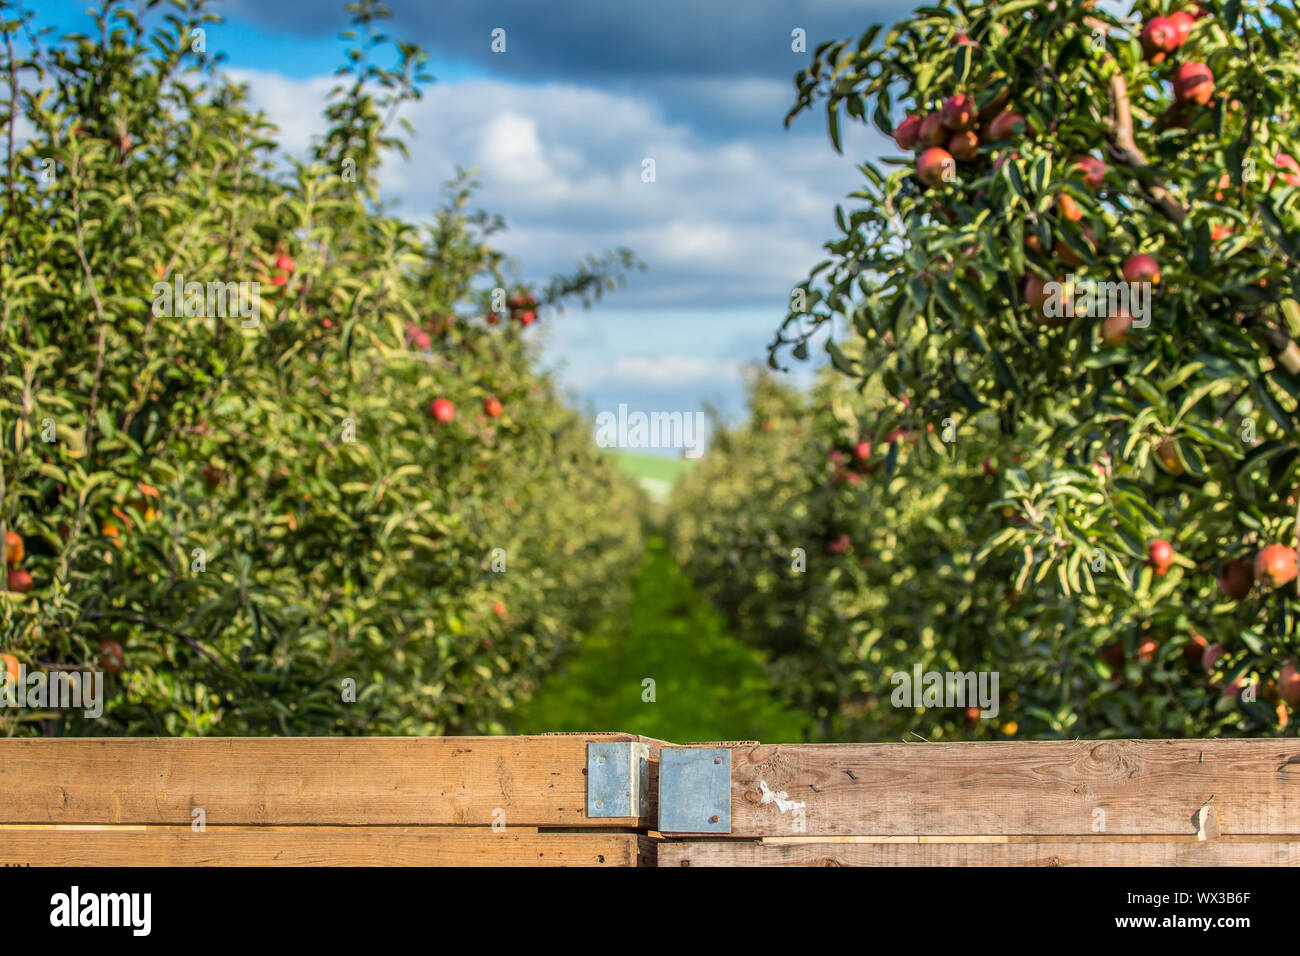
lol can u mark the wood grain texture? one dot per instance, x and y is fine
(1080, 852)
(318, 846)
(535, 781)
(1045, 787)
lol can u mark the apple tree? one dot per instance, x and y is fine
(328, 501)
(1077, 262)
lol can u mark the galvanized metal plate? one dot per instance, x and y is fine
(695, 790)
(618, 779)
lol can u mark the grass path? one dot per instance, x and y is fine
(708, 685)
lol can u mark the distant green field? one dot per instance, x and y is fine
(655, 475)
(707, 685)
(649, 466)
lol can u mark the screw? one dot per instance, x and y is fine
(600, 804)
(714, 818)
(717, 760)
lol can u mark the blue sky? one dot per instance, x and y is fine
(558, 126)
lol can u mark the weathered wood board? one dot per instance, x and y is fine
(514, 781)
(1084, 788)
(318, 846)
(1078, 852)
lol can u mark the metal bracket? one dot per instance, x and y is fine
(695, 790)
(618, 779)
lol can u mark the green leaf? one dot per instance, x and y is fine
(839, 359)
(1005, 376)
(962, 65)
(1284, 421)
(1042, 173)
(833, 123)
(963, 393)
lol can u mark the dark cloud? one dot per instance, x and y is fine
(603, 38)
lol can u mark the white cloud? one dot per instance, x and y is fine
(662, 371)
(295, 106)
(728, 219)
(733, 221)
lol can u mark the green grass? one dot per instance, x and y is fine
(708, 686)
(655, 475)
(649, 466)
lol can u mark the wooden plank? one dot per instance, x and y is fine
(1052, 787)
(318, 846)
(514, 781)
(1078, 852)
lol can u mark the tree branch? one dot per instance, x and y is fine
(1280, 345)
(1123, 148)
(154, 625)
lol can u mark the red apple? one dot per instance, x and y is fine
(934, 164)
(838, 545)
(442, 410)
(499, 609)
(279, 279)
(1275, 565)
(1288, 683)
(1115, 328)
(959, 112)
(111, 657)
(493, 407)
(1182, 22)
(19, 580)
(1035, 293)
(1067, 208)
(933, 132)
(1067, 254)
(1005, 125)
(14, 549)
(1160, 554)
(1146, 649)
(1094, 171)
(964, 146)
(528, 317)
(1236, 578)
(1212, 655)
(862, 451)
(1167, 453)
(1193, 83)
(284, 263)
(1286, 161)
(212, 477)
(1194, 649)
(908, 132)
(1142, 268)
(417, 337)
(1159, 37)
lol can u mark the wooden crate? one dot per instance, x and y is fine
(452, 801)
(540, 801)
(1032, 803)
